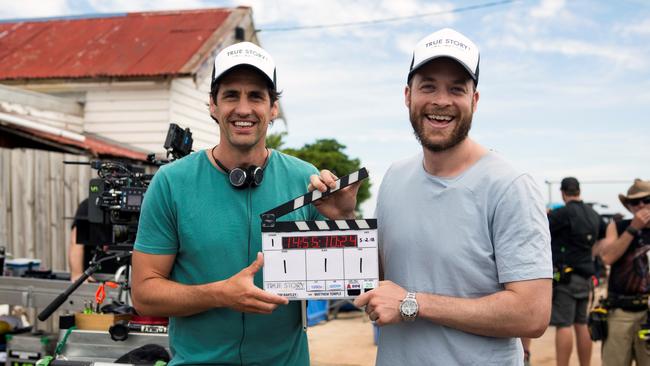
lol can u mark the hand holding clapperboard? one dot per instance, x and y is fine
(329, 259)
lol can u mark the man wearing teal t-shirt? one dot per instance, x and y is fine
(197, 254)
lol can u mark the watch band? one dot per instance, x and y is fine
(410, 297)
(632, 230)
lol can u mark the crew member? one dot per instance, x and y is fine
(626, 248)
(575, 228)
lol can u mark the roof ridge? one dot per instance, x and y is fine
(179, 11)
(91, 16)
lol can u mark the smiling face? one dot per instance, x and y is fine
(441, 99)
(243, 108)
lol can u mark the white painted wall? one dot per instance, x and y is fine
(138, 116)
(188, 107)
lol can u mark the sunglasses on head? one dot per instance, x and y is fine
(637, 201)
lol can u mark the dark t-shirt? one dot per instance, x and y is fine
(629, 275)
(574, 230)
(81, 216)
(83, 227)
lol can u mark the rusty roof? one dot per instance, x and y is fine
(129, 45)
(93, 145)
(90, 143)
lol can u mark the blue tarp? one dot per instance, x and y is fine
(316, 311)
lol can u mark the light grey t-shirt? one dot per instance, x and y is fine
(464, 236)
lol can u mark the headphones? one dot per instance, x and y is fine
(244, 177)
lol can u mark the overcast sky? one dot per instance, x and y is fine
(565, 85)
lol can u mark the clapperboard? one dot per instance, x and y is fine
(330, 259)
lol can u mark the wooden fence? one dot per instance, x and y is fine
(38, 199)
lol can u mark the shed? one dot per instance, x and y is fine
(132, 74)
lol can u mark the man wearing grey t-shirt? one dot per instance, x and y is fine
(464, 238)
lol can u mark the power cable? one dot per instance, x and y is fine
(387, 20)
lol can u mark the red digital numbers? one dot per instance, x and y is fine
(319, 242)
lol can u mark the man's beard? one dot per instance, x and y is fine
(458, 134)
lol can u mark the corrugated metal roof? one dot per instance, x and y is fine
(135, 44)
(29, 127)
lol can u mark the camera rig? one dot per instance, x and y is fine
(114, 203)
(115, 197)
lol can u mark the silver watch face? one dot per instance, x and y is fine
(409, 307)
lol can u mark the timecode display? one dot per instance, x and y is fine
(320, 242)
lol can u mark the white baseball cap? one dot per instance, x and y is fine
(244, 53)
(446, 43)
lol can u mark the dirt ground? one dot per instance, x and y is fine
(353, 331)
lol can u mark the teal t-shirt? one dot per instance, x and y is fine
(191, 210)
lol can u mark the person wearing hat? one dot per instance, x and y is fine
(463, 236)
(626, 248)
(197, 253)
(575, 228)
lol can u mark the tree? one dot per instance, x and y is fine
(274, 140)
(324, 154)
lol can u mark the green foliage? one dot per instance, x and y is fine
(274, 140)
(324, 154)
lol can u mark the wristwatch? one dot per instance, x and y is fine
(632, 230)
(408, 308)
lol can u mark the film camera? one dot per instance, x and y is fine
(116, 196)
(109, 220)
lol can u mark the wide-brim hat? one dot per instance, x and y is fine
(639, 189)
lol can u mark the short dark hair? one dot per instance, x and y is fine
(274, 95)
(570, 186)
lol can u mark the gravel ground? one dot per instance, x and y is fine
(348, 340)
